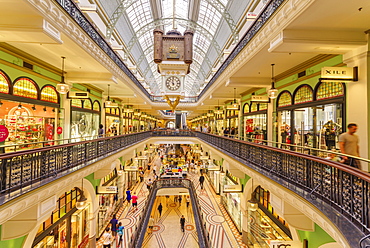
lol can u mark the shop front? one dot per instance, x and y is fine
(265, 225)
(85, 118)
(232, 120)
(213, 173)
(67, 226)
(255, 122)
(231, 198)
(108, 200)
(131, 173)
(29, 114)
(112, 121)
(312, 117)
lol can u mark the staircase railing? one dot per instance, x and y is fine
(141, 228)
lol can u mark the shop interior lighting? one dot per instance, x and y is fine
(273, 92)
(34, 107)
(62, 87)
(82, 201)
(20, 106)
(44, 109)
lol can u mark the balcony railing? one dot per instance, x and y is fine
(203, 236)
(339, 191)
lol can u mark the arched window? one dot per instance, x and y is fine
(96, 106)
(25, 87)
(303, 94)
(253, 107)
(263, 106)
(246, 108)
(76, 103)
(285, 99)
(49, 94)
(4, 83)
(107, 110)
(327, 90)
(87, 104)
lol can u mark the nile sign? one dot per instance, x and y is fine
(339, 73)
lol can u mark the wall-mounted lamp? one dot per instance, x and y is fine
(82, 201)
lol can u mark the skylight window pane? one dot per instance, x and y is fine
(139, 14)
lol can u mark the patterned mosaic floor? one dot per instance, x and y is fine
(167, 233)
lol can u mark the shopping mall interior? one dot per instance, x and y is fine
(184, 123)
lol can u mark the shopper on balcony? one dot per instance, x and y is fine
(348, 143)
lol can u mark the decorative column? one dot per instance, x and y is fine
(66, 114)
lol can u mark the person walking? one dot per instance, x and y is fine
(151, 224)
(187, 201)
(180, 199)
(160, 208)
(101, 131)
(348, 143)
(182, 223)
(201, 181)
(107, 238)
(134, 201)
(120, 233)
(114, 224)
(141, 175)
(149, 184)
(128, 195)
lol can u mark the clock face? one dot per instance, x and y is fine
(173, 83)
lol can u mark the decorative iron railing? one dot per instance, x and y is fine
(141, 227)
(341, 192)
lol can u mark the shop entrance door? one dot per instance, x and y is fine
(303, 133)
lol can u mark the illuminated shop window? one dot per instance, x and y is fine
(246, 108)
(329, 90)
(263, 106)
(303, 94)
(76, 103)
(49, 94)
(96, 106)
(253, 107)
(25, 87)
(4, 83)
(107, 110)
(87, 104)
(285, 99)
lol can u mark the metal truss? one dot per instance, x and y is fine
(121, 8)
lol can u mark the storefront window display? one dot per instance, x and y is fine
(230, 198)
(255, 122)
(66, 227)
(84, 120)
(108, 202)
(312, 118)
(112, 121)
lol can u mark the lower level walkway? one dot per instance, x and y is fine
(167, 232)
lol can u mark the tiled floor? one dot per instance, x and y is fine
(167, 232)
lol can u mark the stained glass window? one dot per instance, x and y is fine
(285, 99)
(87, 104)
(25, 87)
(246, 108)
(107, 110)
(263, 106)
(329, 90)
(4, 83)
(76, 103)
(96, 106)
(253, 107)
(303, 94)
(49, 94)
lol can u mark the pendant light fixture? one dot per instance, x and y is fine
(273, 92)
(108, 102)
(218, 110)
(234, 105)
(62, 87)
(82, 201)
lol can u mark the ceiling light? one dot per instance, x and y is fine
(108, 102)
(273, 92)
(53, 110)
(62, 87)
(1, 103)
(44, 109)
(34, 107)
(20, 106)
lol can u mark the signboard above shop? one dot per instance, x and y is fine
(260, 98)
(106, 190)
(345, 74)
(232, 188)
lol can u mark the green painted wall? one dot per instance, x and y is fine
(94, 182)
(14, 243)
(244, 180)
(316, 238)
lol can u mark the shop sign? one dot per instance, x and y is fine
(59, 130)
(260, 99)
(232, 188)
(213, 168)
(4, 133)
(249, 125)
(280, 244)
(84, 242)
(142, 157)
(204, 157)
(107, 190)
(131, 168)
(251, 15)
(338, 73)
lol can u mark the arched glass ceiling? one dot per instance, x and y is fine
(204, 17)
